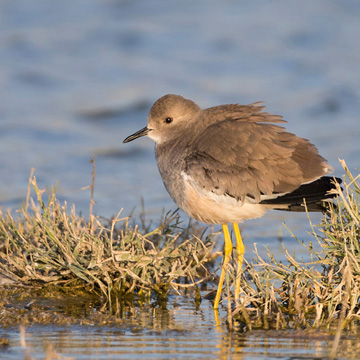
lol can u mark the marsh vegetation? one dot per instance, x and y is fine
(50, 253)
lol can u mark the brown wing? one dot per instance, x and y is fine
(249, 113)
(241, 158)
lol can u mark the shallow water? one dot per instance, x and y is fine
(181, 331)
(78, 77)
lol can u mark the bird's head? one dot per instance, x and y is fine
(169, 116)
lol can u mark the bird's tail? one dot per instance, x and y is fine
(316, 195)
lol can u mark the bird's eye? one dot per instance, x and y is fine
(168, 120)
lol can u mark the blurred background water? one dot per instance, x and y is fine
(77, 77)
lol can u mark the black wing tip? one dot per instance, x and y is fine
(314, 195)
(320, 206)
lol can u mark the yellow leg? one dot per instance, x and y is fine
(227, 249)
(240, 249)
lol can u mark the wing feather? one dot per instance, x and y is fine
(249, 159)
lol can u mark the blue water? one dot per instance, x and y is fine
(77, 77)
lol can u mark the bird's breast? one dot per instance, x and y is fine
(170, 162)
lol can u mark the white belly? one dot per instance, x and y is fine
(218, 209)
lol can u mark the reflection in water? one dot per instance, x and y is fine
(178, 330)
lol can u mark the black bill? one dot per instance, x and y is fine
(142, 132)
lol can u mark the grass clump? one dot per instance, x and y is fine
(47, 246)
(321, 293)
